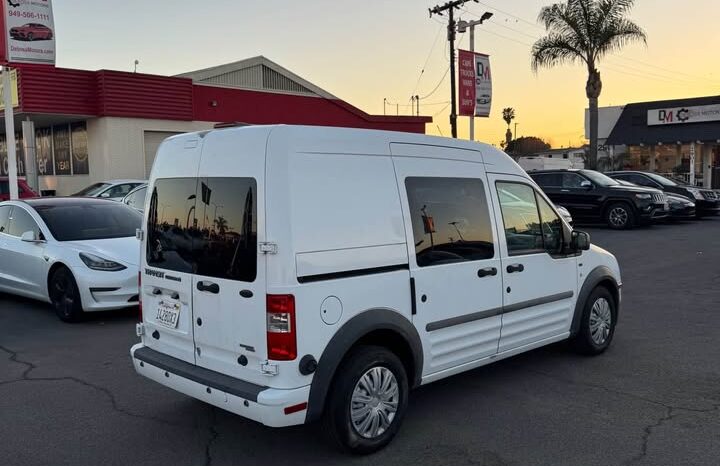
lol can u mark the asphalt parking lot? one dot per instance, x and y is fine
(69, 395)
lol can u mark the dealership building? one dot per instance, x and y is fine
(91, 126)
(678, 138)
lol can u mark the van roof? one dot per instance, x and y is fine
(337, 140)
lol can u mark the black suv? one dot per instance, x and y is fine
(707, 201)
(592, 197)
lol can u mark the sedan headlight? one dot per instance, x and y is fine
(644, 196)
(695, 193)
(98, 263)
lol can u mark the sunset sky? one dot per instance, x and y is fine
(366, 51)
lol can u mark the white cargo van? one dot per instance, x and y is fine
(291, 274)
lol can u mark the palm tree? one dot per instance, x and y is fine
(508, 115)
(585, 31)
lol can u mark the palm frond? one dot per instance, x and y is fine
(555, 49)
(617, 35)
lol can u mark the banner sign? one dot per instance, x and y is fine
(29, 31)
(14, 85)
(4, 163)
(681, 115)
(475, 86)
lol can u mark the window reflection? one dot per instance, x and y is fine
(207, 227)
(450, 220)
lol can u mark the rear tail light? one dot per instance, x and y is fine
(281, 336)
(140, 313)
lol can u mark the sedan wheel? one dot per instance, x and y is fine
(65, 296)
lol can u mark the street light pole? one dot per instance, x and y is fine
(10, 132)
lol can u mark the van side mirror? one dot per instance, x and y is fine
(580, 241)
(586, 184)
(30, 237)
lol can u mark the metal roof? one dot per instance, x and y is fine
(257, 73)
(632, 126)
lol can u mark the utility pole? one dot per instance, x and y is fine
(438, 10)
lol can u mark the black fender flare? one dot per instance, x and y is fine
(352, 331)
(598, 275)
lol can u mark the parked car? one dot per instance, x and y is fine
(81, 255)
(31, 31)
(707, 201)
(24, 190)
(277, 286)
(564, 213)
(591, 196)
(681, 208)
(114, 190)
(136, 198)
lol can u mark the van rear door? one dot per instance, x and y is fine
(170, 227)
(229, 281)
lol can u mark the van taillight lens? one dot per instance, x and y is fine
(281, 338)
(140, 314)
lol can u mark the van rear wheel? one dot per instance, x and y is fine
(367, 401)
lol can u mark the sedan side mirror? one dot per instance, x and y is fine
(580, 240)
(30, 237)
(106, 194)
(586, 184)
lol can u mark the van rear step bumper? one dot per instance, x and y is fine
(257, 402)
(206, 377)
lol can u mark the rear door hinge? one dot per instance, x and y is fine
(139, 329)
(139, 234)
(268, 368)
(268, 248)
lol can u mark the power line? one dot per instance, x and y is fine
(437, 86)
(535, 25)
(422, 70)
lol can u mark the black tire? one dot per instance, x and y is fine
(65, 296)
(584, 342)
(337, 420)
(620, 216)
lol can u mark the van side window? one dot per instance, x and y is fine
(450, 220)
(523, 231)
(204, 226)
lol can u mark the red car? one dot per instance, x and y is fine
(24, 190)
(31, 31)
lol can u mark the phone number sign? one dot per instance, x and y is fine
(28, 31)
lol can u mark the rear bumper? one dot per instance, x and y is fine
(259, 403)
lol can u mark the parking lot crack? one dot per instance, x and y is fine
(26, 377)
(214, 434)
(647, 433)
(14, 358)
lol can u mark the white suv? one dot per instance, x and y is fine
(293, 273)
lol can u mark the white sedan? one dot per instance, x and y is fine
(112, 189)
(80, 254)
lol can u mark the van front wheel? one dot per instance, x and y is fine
(368, 400)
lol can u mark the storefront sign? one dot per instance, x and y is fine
(4, 163)
(681, 115)
(475, 84)
(61, 150)
(14, 85)
(43, 151)
(29, 31)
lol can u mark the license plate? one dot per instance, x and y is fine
(168, 314)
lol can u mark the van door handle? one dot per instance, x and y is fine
(515, 268)
(210, 287)
(488, 272)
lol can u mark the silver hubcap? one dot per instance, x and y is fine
(600, 321)
(618, 216)
(374, 402)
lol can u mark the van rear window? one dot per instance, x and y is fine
(204, 226)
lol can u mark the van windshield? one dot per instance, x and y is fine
(204, 226)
